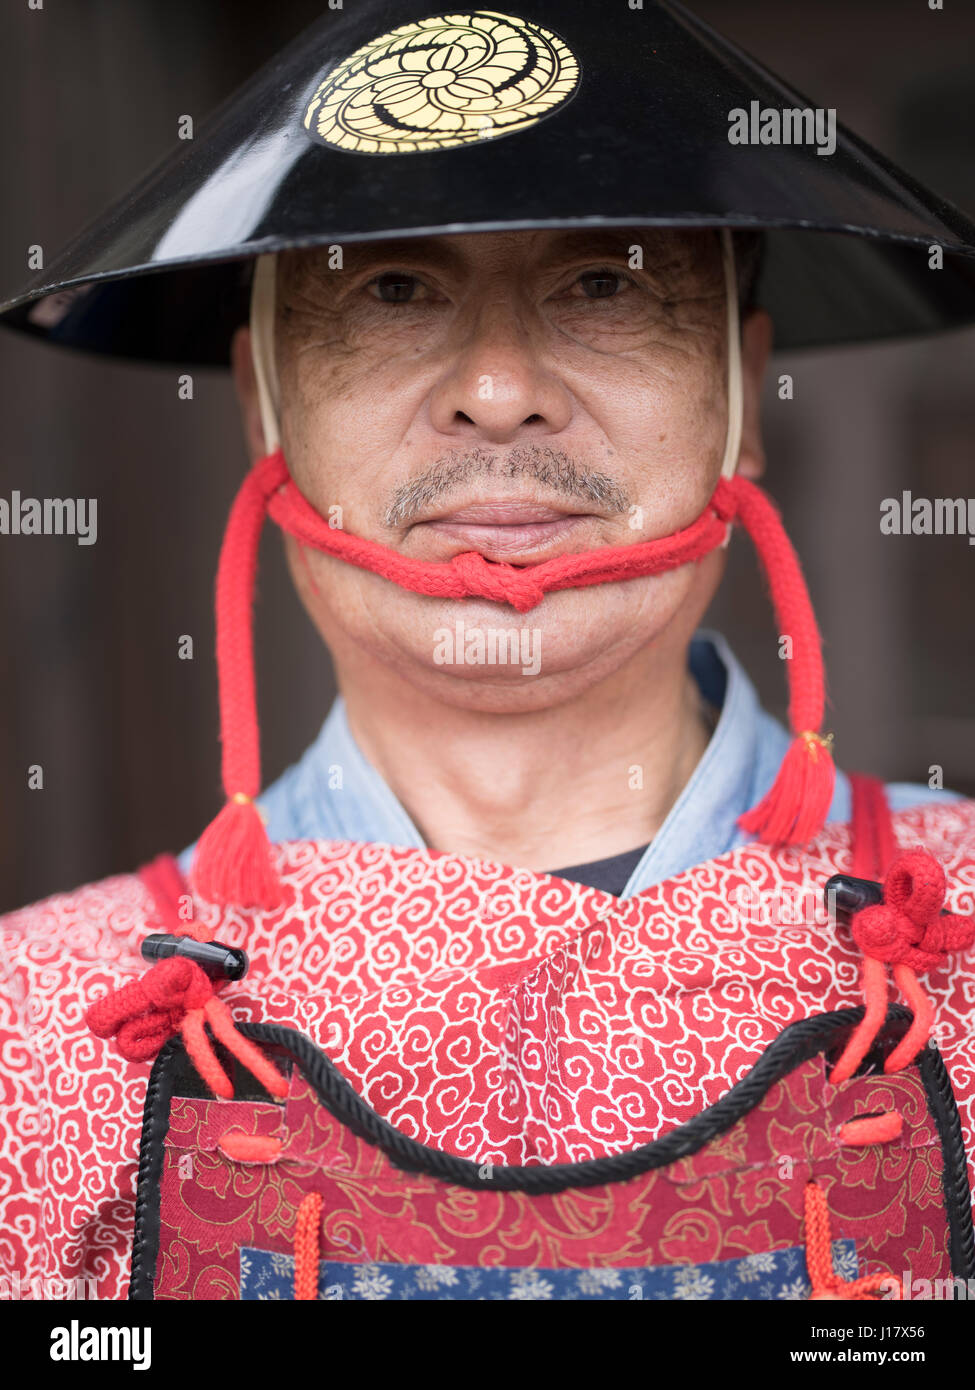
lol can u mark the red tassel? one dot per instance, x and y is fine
(796, 805)
(233, 858)
(233, 861)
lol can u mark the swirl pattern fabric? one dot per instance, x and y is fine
(498, 1014)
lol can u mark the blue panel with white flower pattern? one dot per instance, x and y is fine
(777, 1274)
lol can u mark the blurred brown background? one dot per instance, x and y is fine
(92, 688)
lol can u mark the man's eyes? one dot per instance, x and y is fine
(600, 284)
(396, 287)
(399, 287)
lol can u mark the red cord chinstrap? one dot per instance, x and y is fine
(234, 861)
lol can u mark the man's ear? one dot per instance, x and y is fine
(245, 383)
(756, 344)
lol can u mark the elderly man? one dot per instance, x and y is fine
(541, 910)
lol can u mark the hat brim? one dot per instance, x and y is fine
(641, 139)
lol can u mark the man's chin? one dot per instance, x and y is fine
(485, 656)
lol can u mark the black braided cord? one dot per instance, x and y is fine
(954, 1178)
(794, 1045)
(152, 1150)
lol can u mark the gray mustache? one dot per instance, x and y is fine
(552, 468)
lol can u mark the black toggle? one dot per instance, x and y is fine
(213, 957)
(844, 895)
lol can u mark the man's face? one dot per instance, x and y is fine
(524, 395)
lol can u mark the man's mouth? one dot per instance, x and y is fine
(507, 530)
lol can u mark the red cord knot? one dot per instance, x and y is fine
(499, 583)
(909, 932)
(144, 1013)
(908, 927)
(177, 996)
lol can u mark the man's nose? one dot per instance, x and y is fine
(496, 386)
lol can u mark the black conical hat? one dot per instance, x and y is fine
(383, 120)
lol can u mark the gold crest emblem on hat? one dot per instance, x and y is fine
(441, 82)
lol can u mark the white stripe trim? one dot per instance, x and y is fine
(732, 445)
(262, 348)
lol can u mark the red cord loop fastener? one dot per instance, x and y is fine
(872, 1129)
(250, 1148)
(234, 862)
(176, 996)
(910, 932)
(826, 1284)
